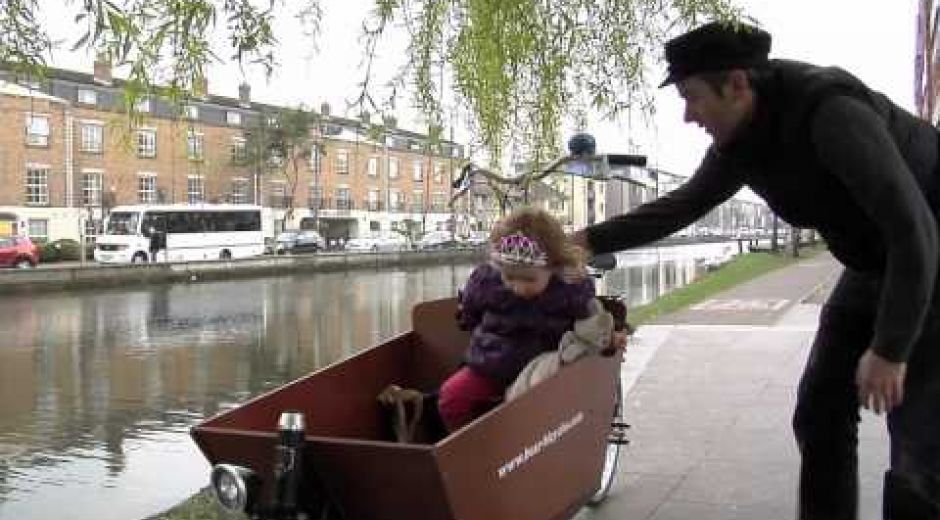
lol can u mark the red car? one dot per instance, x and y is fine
(18, 252)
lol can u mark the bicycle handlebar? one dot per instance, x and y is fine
(603, 262)
(615, 159)
(582, 149)
(612, 159)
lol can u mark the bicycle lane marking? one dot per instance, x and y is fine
(741, 304)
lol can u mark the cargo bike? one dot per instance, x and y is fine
(322, 446)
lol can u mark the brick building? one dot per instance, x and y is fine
(67, 156)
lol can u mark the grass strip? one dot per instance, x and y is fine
(201, 506)
(738, 270)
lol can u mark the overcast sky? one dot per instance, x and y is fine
(874, 39)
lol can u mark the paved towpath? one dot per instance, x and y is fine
(710, 395)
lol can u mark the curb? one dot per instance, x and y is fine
(101, 276)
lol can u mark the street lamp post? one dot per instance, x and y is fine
(387, 195)
(317, 163)
(82, 226)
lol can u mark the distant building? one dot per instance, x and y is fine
(65, 158)
(594, 201)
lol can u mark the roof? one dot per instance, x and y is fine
(351, 125)
(12, 89)
(86, 78)
(89, 79)
(186, 207)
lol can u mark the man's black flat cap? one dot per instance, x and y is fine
(713, 47)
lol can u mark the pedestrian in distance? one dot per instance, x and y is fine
(825, 152)
(157, 242)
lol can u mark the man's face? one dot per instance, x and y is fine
(722, 113)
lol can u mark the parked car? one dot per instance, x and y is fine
(18, 252)
(385, 243)
(436, 240)
(477, 239)
(299, 241)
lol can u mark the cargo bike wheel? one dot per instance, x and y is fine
(615, 440)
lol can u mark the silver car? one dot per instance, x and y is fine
(299, 241)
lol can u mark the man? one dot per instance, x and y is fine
(157, 242)
(825, 152)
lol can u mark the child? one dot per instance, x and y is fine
(516, 306)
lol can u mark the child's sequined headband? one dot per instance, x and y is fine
(518, 249)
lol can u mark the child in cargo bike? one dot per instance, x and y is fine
(519, 305)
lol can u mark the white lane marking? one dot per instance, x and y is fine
(763, 304)
(640, 349)
(744, 328)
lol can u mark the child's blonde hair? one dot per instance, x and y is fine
(541, 226)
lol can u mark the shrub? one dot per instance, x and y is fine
(60, 251)
(48, 252)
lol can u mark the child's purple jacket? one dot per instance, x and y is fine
(507, 331)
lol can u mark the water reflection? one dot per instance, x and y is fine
(643, 275)
(97, 390)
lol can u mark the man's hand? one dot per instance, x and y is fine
(880, 382)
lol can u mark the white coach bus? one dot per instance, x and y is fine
(203, 232)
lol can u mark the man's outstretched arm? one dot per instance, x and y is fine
(711, 185)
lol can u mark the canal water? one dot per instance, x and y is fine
(98, 389)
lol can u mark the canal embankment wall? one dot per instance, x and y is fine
(92, 275)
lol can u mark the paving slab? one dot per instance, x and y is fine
(710, 392)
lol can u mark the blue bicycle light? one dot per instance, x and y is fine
(582, 144)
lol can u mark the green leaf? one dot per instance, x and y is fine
(81, 41)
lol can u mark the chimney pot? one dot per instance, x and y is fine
(244, 95)
(102, 69)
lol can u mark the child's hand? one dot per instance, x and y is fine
(618, 341)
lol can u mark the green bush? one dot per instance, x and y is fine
(60, 251)
(48, 253)
(70, 250)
